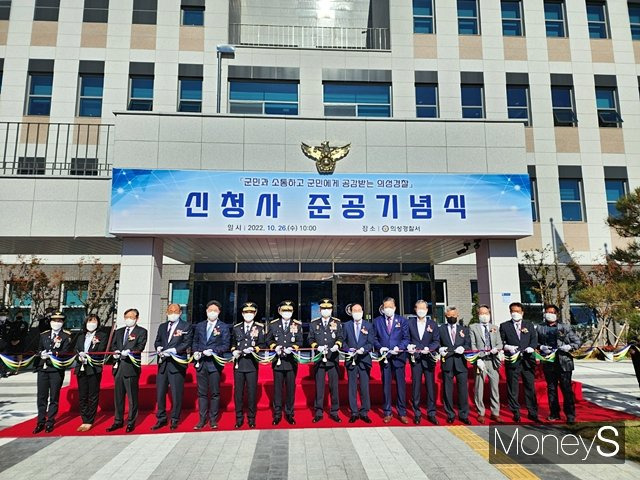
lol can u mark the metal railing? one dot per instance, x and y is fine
(300, 36)
(56, 149)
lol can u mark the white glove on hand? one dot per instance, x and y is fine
(197, 355)
(335, 348)
(383, 350)
(158, 350)
(125, 353)
(459, 350)
(278, 350)
(208, 352)
(288, 350)
(44, 355)
(248, 350)
(425, 350)
(545, 349)
(236, 354)
(411, 348)
(565, 348)
(116, 354)
(494, 350)
(528, 350)
(480, 364)
(82, 354)
(442, 351)
(511, 348)
(395, 350)
(360, 351)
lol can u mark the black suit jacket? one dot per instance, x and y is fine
(330, 336)
(365, 340)
(59, 346)
(453, 361)
(135, 342)
(430, 339)
(180, 340)
(254, 338)
(291, 338)
(219, 343)
(98, 344)
(528, 338)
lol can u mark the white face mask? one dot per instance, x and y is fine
(248, 317)
(550, 317)
(515, 316)
(56, 326)
(357, 316)
(286, 315)
(389, 311)
(421, 313)
(3, 318)
(92, 326)
(173, 317)
(213, 316)
(130, 322)
(325, 312)
(486, 318)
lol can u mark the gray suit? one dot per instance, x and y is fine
(492, 365)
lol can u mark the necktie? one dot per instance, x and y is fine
(357, 331)
(209, 330)
(246, 330)
(389, 322)
(452, 333)
(285, 326)
(126, 334)
(517, 325)
(324, 323)
(487, 337)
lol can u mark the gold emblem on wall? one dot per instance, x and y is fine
(325, 156)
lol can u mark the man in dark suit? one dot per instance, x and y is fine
(248, 338)
(558, 337)
(173, 339)
(55, 342)
(285, 336)
(392, 338)
(325, 334)
(454, 340)
(210, 337)
(424, 336)
(359, 342)
(127, 341)
(520, 341)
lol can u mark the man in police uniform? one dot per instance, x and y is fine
(558, 337)
(54, 342)
(248, 338)
(15, 334)
(285, 336)
(325, 335)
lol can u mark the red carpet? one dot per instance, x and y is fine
(68, 419)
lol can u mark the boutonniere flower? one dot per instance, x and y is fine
(317, 327)
(178, 333)
(493, 330)
(293, 328)
(429, 329)
(333, 325)
(254, 332)
(397, 325)
(131, 337)
(57, 341)
(364, 330)
(462, 333)
(95, 340)
(524, 330)
(216, 332)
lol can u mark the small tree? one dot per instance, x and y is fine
(97, 293)
(627, 224)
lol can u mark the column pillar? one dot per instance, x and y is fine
(498, 276)
(141, 283)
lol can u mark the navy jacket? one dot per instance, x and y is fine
(180, 340)
(219, 342)
(399, 337)
(430, 339)
(366, 340)
(452, 361)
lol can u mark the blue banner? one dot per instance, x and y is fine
(204, 202)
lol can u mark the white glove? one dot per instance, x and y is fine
(44, 355)
(360, 351)
(425, 350)
(82, 354)
(335, 348)
(236, 353)
(279, 350)
(528, 350)
(288, 350)
(480, 364)
(395, 350)
(197, 355)
(501, 356)
(494, 350)
(158, 350)
(511, 348)
(545, 349)
(411, 348)
(169, 351)
(459, 350)
(116, 354)
(442, 351)
(208, 352)
(323, 349)
(383, 350)
(565, 348)
(248, 350)
(125, 353)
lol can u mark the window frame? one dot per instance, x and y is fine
(46, 13)
(431, 17)
(144, 16)
(468, 107)
(5, 10)
(131, 98)
(424, 107)
(30, 95)
(189, 101)
(519, 19)
(604, 22)
(190, 8)
(183, 306)
(356, 106)
(476, 19)
(574, 119)
(563, 21)
(81, 97)
(634, 26)
(535, 206)
(31, 166)
(602, 123)
(529, 121)
(612, 203)
(74, 166)
(580, 201)
(95, 14)
(263, 103)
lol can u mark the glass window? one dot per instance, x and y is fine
(145, 12)
(46, 10)
(190, 94)
(5, 9)
(607, 104)
(564, 114)
(472, 101)
(555, 18)
(357, 99)
(96, 11)
(571, 199)
(31, 166)
(192, 16)
(614, 188)
(263, 98)
(518, 103)
(535, 213)
(423, 16)
(140, 93)
(90, 95)
(597, 20)
(84, 166)
(427, 101)
(468, 21)
(40, 88)
(512, 25)
(75, 294)
(180, 295)
(634, 19)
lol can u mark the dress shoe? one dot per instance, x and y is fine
(353, 418)
(516, 417)
(387, 419)
(553, 418)
(433, 419)
(533, 418)
(252, 424)
(213, 425)
(496, 418)
(200, 425)
(450, 419)
(365, 418)
(466, 421)
(174, 425)
(39, 428)
(48, 428)
(317, 418)
(159, 425)
(417, 420)
(238, 424)
(335, 418)
(290, 419)
(276, 420)
(404, 420)
(130, 427)
(481, 419)
(114, 427)
(571, 420)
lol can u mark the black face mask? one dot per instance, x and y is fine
(452, 320)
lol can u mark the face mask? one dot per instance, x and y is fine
(287, 315)
(484, 318)
(92, 327)
(248, 317)
(3, 318)
(452, 320)
(130, 322)
(172, 317)
(516, 316)
(357, 316)
(213, 316)
(389, 311)
(550, 317)
(55, 326)
(326, 313)
(421, 313)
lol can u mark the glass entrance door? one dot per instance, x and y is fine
(279, 292)
(348, 293)
(379, 291)
(256, 293)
